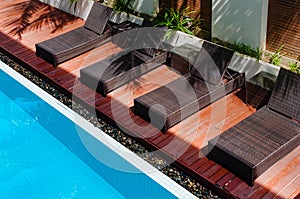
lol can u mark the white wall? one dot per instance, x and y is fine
(250, 66)
(243, 21)
(82, 10)
(149, 7)
(119, 17)
(178, 38)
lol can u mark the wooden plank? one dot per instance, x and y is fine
(289, 191)
(224, 181)
(284, 179)
(194, 158)
(298, 196)
(271, 176)
(188, 154)
(236, 181)
(218, 175)
(240, 188)
(163, 140)
(205, 167)
(199, 163)
(211, 171)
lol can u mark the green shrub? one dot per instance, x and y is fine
(247, 50)
(241, 48)
(295, 67)
(73, 2)
(176, 20)
(123, 6)
(275, 59)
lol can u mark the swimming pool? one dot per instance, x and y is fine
(44, 154)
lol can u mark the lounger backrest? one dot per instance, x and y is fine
(211, 63)
(98, 18)
(149, 51)
(153, 51)
(285, 97)
(149, 40)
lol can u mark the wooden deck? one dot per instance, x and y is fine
(184, 142)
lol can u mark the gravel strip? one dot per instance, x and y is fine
(174, 173)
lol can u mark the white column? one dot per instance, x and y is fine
(264, 24)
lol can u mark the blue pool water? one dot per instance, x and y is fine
(42, 155)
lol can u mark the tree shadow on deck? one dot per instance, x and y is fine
(32, 15)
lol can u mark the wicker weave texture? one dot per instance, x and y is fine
(197, 89)
(285, 97)
(69, 45)
(182, 98)
(117, 70)
(75, 42)
(211, 62)
(98, 18)
(251, 147)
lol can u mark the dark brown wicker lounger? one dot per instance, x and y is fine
(252, 146)
(208, 80)
(119, 69)
(78, 41)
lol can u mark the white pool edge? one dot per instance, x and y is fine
(115, 146)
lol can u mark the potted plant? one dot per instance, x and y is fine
(180, 23)
(175, 19)
(123, 10)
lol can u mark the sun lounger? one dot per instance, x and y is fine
(119, 69)
(78, 41)
(252, 146)
(208, 80)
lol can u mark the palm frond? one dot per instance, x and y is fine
(35, 14)
(56, 19)
(177, 19)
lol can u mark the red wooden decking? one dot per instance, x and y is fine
(184, 142)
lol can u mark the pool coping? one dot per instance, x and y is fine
(163, 180)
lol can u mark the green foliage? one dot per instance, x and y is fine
(247, 50)
(276, 57)
(123, 6)
(176, 20)
(241, 48)
(195, 25)
(258, 54)
(73, 2)
(295, 67)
